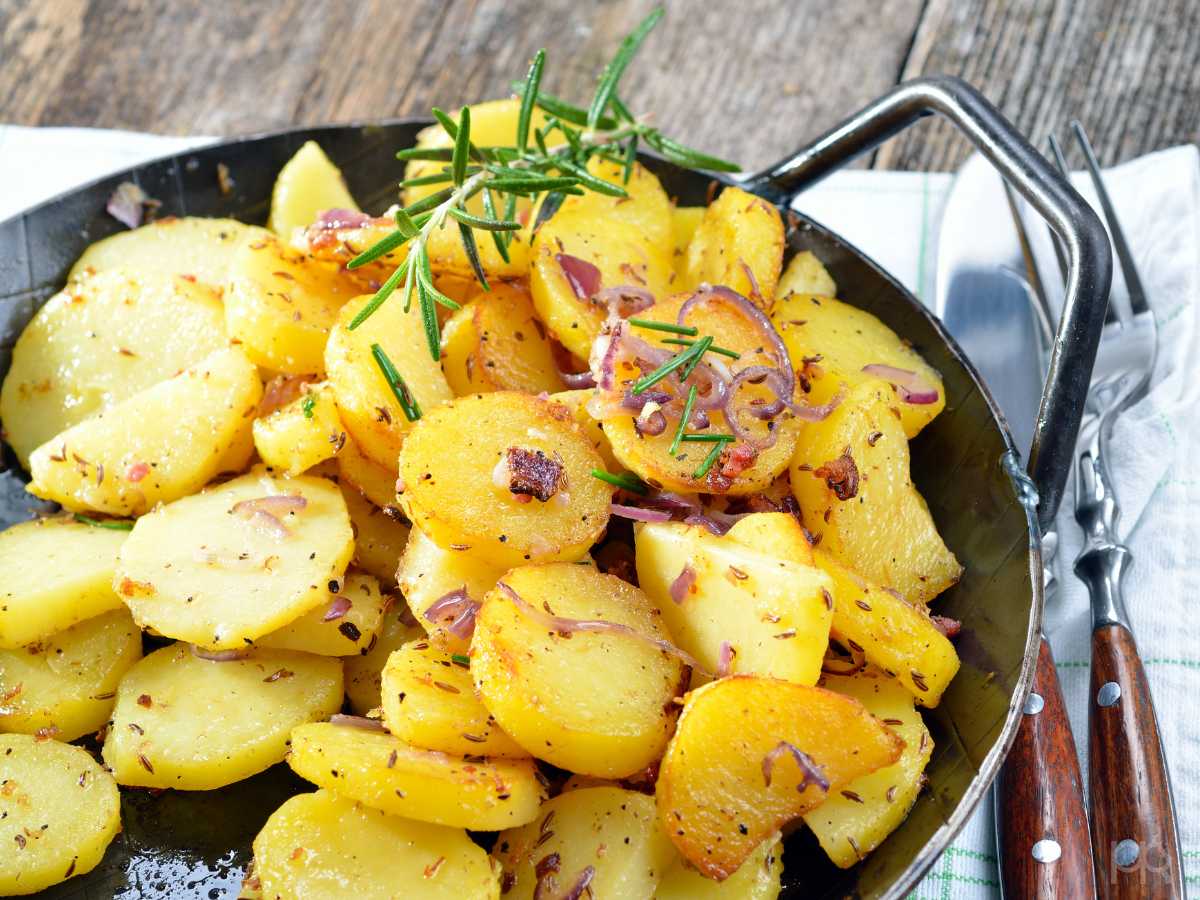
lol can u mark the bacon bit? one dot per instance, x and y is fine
(873, 437)
(947, 626)
(432, 868)
(145, 701)
(145, 763)
(277, 674)
(297, 853)
(534, 474)
(850, 795)
(732, 462)
(841, 475)
(136, 472)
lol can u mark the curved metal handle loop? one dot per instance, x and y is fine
(1089, 255)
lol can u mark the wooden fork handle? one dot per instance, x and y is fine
(1133, 818)
(1041, 824)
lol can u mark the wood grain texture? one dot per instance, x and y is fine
(1127, 778)
(1125, 68)
(1039, 796)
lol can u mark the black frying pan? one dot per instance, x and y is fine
(195, 845)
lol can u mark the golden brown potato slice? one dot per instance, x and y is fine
(307, 185)
(850, 476)
(368, 407)
(58, 812)
(225, 567)
(281, 304)
(605, 838)
(302, 434)
(72, 580)
(496, 343)
(364, 673)
(375, 482)
(382, 771)
(527, 673)
(64, 687)
(855, 819)
(100, 341)
(196, 724)
(344, 626)
(756, 879)
(429, 701)
(646, 209)
(739, 244)
(576, 401)
(324, 847)
(160, 444)
(379, 537)
(805, 275)
(751, 754)
(833, 342)
(506, 474)
(684, 222)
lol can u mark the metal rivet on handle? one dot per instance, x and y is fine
(1126, 853)
(1047, 851)
(1033, 704)
(1109, 693)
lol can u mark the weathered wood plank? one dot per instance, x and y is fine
(750, 81)
(1128, 69)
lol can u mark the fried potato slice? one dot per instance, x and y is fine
(303, 433)
(379, 538)
(756, 879)
(307, 185)
(375, 482)
(805, 274)
(364, 673)
(739, 244)
(332, 628)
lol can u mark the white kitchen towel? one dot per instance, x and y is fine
(894, 217)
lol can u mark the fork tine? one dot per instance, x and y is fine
(1133, 283)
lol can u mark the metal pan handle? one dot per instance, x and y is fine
(1090, 259)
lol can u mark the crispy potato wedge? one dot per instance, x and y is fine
(220, 569)
(71, 581)
(831, 342)
(892, 633)
(715, 799)
(59, 810)
(528, 676)
(324, 847)
(605, 836)
(307, 185)
(281, 304)
(364, 673)
(775, 534)
(464, 496)
(772, 611)
(576, 401)
(427, 573)
(379, 539)
(160, 444)
(328, 631)
(496, 343)
(382, 771)
(196, 724)
(100, 341)
(756, 879)
(190, 246)
(375, 482)
(302, 434)
(366, 403)
(64, 687)
(739, 244)
(856, 819)
(429, 701)
(805, 274)
(850, 476)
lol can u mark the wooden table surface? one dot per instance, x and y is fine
(749, 80)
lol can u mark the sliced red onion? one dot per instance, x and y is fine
(577, 380)
(709, 292)
(699, 420)
(356, 722)
(672, 501)
(334, 219)
(581, 883)
(812, 772)
(276, 504)
(638, 514)
(338, 608)
(819, 413)
(947, 626)
(725, 663)
(638, 401)
(128, 204)
(707, 522)
(911, 387)
(221, 655)
(682, 584)
(623, 300)
(653, 423)
(569, 626)
(581, 275)
(456, 611)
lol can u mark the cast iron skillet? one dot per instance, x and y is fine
(184, 845)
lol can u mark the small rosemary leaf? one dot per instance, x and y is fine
(671, 327)
(686, 156)
(533, 185)
(431, 202)
(510, 213)
(425, 279)
(468, 239)
(429, 319)
(111, 524)
(426, 154)
(396, 383)
(381, 295)
(630, 158)
(382, 247)
(436, 178)
(485, 224)
(554, 199)
(612, 73)
(568, 112)
(406, 224)
(529, 98)
(462, 146)
(620, 109)
(489, 207)
(510, 172)
(447, 123)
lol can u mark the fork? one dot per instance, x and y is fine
(1135, 839)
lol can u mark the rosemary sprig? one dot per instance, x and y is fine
(550, 159)
(400, 390)
(626, 481)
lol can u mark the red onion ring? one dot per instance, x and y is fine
(725, 662)
(623, 300)
(581, 275)
(581, 883)
(682, 584)
(708, 522)
(822, 412)
(750, 311)
(334, 219)
(356, 722)
(652, 425)
(454, 610)
(577, 380)
(672, 501)
(638, 514)
(812, 772)
(911, 387)
(338, 608)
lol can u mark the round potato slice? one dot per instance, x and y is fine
(382, 771)
(197, 724)
(739, 243)
(345, 626)
(429, 701)
(100, 341)
(379, 537)
(507, 475)
(531, 677)
(58, 812)
(324, 847)
(281, 303)
(375, 482)
(226, 566)
(364, 672)
(64, 688)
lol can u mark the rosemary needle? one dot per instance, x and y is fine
(626, 482)
(709, 460)
(400, 391)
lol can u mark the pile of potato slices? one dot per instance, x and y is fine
(625, 628)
